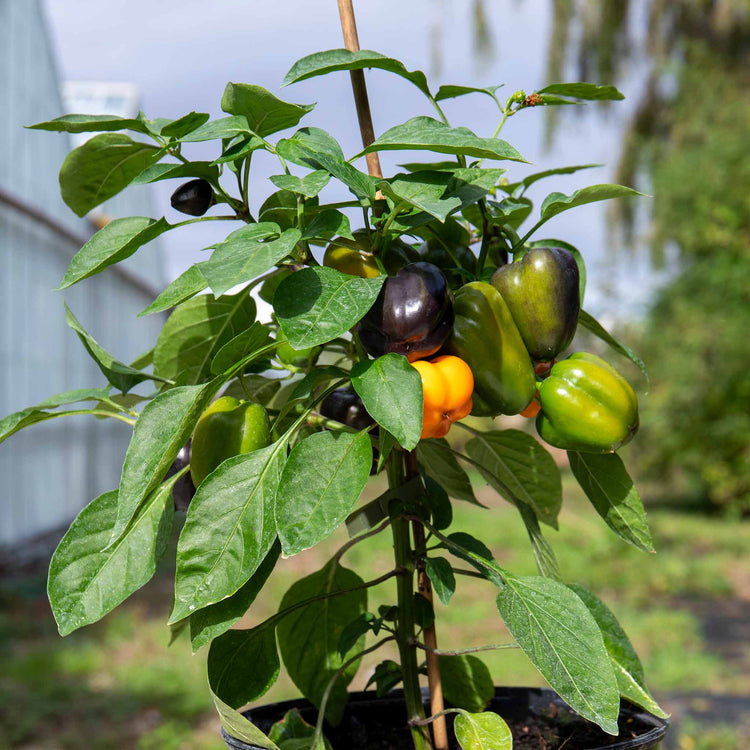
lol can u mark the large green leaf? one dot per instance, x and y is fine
(195, 332)
(247, 253)
(265, 113)
(309, 185)
(391, 390)
(523, 466)
(561, 638)
(329, 61)
(184, 125)
(236, 725)
(589, 322)
(588, 91)
(91, 124)
(119, 374)
(610, 489)
(556, 203)
(223, 128)
(87, 577)
(161, 430)
(322, 480)
(439, 463)
(315, 305)
(627, 665)
(467, 682)
(116, 241)
(313, 660)
(101, 168)
(172, 171)
(243, 665)
(186, 285)
(425, 133)
(210, 622)
(483, 731)
(229, 529)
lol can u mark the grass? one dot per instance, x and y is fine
(116, 684)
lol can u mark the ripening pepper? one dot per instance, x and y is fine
(193, 198)
(227, 428)
(586, 406)
(486, 338)
(541, 291)
(412, 315)
(350, 260)
(288, 355)
(447, 385)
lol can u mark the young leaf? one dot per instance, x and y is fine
(627, 665)
(101, 168)
(229, 529)
(451, 92)
(588, 321)
(116, 241)
(171, 171)
(589, 91)
(87, 577)
(315, 305)
(309, 185)
(243, 665)
(610, 489)
(511, 460)
(556, 203)
(391, 390)
(90, 124)
(561, 638)
(483, 731)
(224, 128)
(244, 343)
(425, 133)
(386, 676)
(441, 575)
(195, 332)
(210, 622)
(322, 480)
(313, 660)
(439, 462)
(237, 726)
(245, 254)
(321, 63)
(467, 682)
(186, 285)
(265, 113)
(184, 125)
(119, 374)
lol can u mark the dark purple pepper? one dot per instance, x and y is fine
(193, 198)
(183, 489)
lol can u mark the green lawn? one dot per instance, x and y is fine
(116, 684)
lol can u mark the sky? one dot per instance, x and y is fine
(182, 54)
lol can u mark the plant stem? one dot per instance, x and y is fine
(461, 651)
(405, 591)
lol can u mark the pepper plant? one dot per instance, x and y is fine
(439, 303)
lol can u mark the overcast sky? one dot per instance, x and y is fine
(181, 55)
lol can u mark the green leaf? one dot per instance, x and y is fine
(352, 634)
(315, 305)
(391, 390)
(575, 252)
(467, 682)
(73, 397)
(18, 420)
(294, 733)
(513, 211)
(240, 150)
(561, 638)
(184, 125)
(627, 665)
(483, 731)
(556, 203)
(90, 124)
(386, 676)
(451, 92)
(229, 529)
(529, 180)
(610, 489)
(119, 374)
(101, 168)
(322, 480)
(243, 665)
(441, 575)
(223, 128)
(195, 332)
(425, 133)
(247, 253)
(210, 622)
(313, 660)
(514, 462)
(244, 343)
(546, 562)
(589, 322)
(321, 63)
(116, 241)
(327, 224)
(437, 500)
(170, 171)
(237, 726)
(265, 113)
(309, 185)
(439, 463)
(87, 577)
(260, 389)
(588, 91)
(186, 285)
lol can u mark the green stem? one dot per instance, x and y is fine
(406, 631)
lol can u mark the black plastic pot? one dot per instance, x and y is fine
(372, 723)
